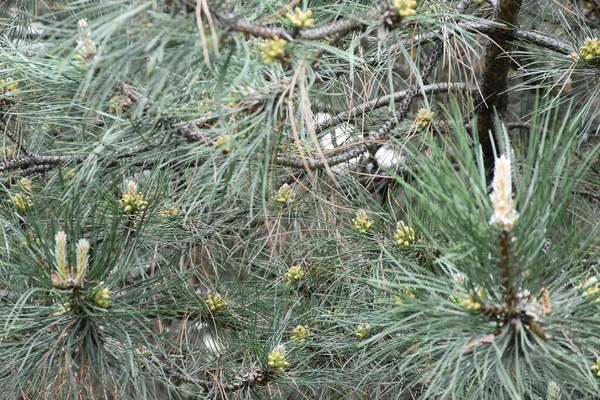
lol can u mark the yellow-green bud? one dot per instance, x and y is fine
(363, 331)
(362, 223)
(101, 296)
(132, 200)
(216, 302)
(301, 332)
(591, 288)
(472, 302)
(404, 236)
(21, 202)
(424, 118)
(7, 85)
(272, 50)
(276, 360)
(301, 19)
(26, 185)
(223, 143)
(285, 194)
(596, 368)
(405, 8)
(294, 275)
(404, 293)
(590, 49)
(168, 212)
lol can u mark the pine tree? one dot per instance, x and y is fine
(306, 199)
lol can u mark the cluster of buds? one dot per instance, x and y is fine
(301, 332)
(74, 277)
(143, 351)
(301, 19)
(7, 86)
(362, 223)
(294, 275)
(590, 49)
(472, 303)
(9, 152)
(285, 194)
(363, 331)
(404, 293)
(272, 50)
(590, 288)
(216, 302)
(405, 8)
(30, 239)
(65, 276)
(223, 143)
(118, 104)
(596, 368)
(424, 118)
(132, 200)
(101, 296)
(405, 235)
(86, 47)
(168, 212)
(21, 202)
(62, 309)
(276, 360)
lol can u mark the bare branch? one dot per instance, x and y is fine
(35, 160)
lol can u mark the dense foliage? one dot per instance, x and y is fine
(315, 199)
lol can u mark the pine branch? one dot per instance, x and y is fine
(257, 377)
(485, 28)
(339, 27)
(36, 161)
(384, 101)
(355, 149)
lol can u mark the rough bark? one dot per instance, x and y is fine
(496, 62)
